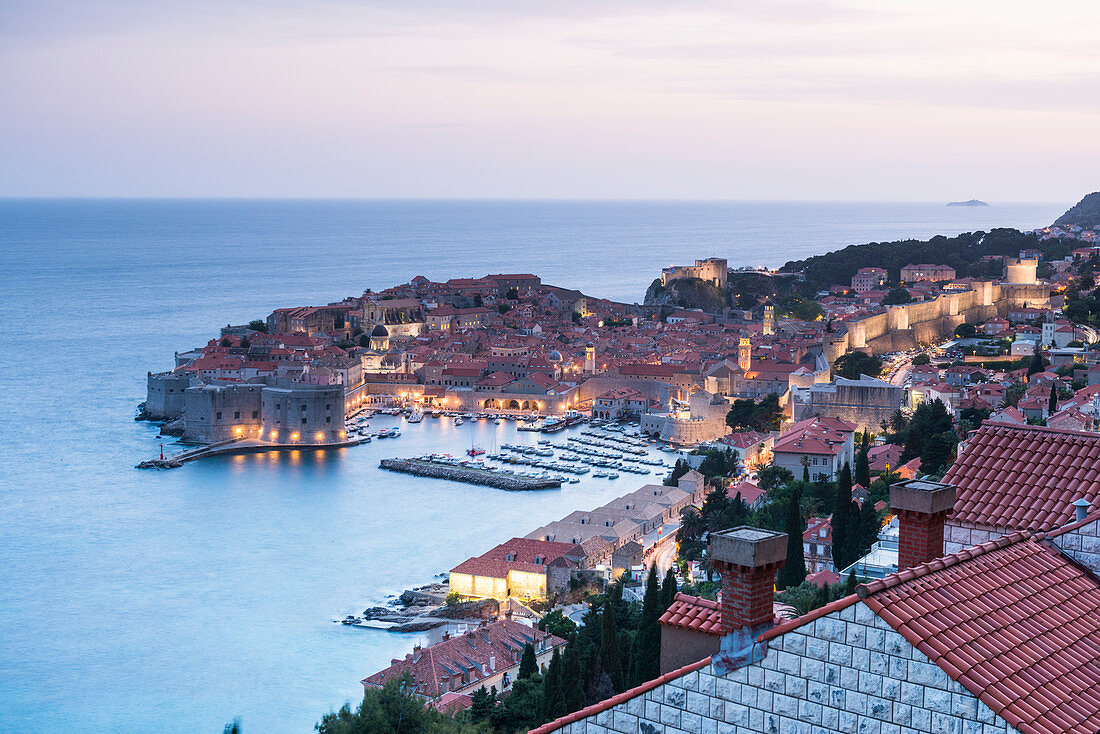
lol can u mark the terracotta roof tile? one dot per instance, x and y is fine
(694, 613)
(1014, 621)
(1024, 477)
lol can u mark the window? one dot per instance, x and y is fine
(538, 560)
(218, 416)
(303, 420)
(328, 406)
(237, 414)
(328, 419)
(255, 414)
(276, 406)
(509, 557)
(303, 409)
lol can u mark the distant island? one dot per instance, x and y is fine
(970, 202)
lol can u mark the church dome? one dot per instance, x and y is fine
(554, 356)
(380, 331)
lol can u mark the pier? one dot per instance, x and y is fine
(470, 475)
(237, 446)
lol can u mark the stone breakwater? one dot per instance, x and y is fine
(470, 476)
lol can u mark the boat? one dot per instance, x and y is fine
(389, 433)
(415, 416)
(459, 421)
(475, 451)
(612, 475)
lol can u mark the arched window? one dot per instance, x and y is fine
(538, 560)
(509, 557)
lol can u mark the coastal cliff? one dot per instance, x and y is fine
(687, 293)
(1085, 213)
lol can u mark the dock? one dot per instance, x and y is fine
(236, 446)
(468, 475)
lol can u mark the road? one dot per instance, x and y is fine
(663, 557)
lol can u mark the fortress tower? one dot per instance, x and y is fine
(1021, 271)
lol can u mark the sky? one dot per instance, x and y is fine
(769, 99)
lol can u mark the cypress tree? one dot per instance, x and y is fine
(850, 584)
(528, 666)
(553, 693)
(482, 703)
(841, 511)
(793, 572)
(863, 463)
(668, 590)
(572, 680)
(1052, 405)
(610, 659)
(647, 643)
(805, 473)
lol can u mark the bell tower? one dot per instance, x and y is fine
(744, 354)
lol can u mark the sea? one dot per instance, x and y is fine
(177, 601)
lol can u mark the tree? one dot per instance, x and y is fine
(483, 702)
(841, 526)
(692, 525)
(868, 529)
(647, 643)
(225, 342)
(937, 453)
(680, 469)
(512, 294)
(233, 728)
(851, 583)
(854, 364)
(557, 624)
(929, 419)
(528, 666)
(553, 691)
(793, 572)
(863, 462)
(610, 657)
(668, 590)
(715, 506)
(392, 709)
(772, 476)
(921, 359)
(1052, 404)
(258, 325)
(1037, 364)
(965, 331)
(897, 296)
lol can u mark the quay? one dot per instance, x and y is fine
(237, 446)
(469, 475)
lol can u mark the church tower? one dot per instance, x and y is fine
(769, 319)
(744, 354)
(590, 360)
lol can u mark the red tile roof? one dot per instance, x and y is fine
(694, 613)
(1024, 477)
(1014, 621)
(523, 551)
(465, 659)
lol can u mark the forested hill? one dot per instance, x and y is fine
(963, 253)
(1085, 213)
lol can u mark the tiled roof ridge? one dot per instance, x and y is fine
(698, 600)
(619, 698)
(1041, 429)
(939, 564)
(789, 625)
(1090, 518)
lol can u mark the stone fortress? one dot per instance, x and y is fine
(906, 326)
(713, 270)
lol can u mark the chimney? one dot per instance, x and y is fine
(1082, 507)
(921, 507)
(747, 559)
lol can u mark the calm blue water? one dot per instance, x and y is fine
(172, 602)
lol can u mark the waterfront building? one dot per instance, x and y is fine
(869, 279)
(520, 567)
(486, 657)
(619, 403)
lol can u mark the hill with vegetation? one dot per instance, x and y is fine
(963, 252)
(687, 293)
(1085, 213)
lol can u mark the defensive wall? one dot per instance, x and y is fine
(905, 326)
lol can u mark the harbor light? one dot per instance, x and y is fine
(319, 436)
(274, 435)
(238, 430)
(294, 437)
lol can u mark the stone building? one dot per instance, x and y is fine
(825, 444)
(270, 409)
(519, 567)
(714, 270)
(935, 273)
(164, 396)
(1000, 638)
(866, 402)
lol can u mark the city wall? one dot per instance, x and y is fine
(905, 326)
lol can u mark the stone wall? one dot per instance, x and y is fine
(164, 396)
(864, 403)
(1082, 544)
(847, 671)
(904, 326)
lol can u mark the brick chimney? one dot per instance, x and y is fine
(921, 507)
(747, 559)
